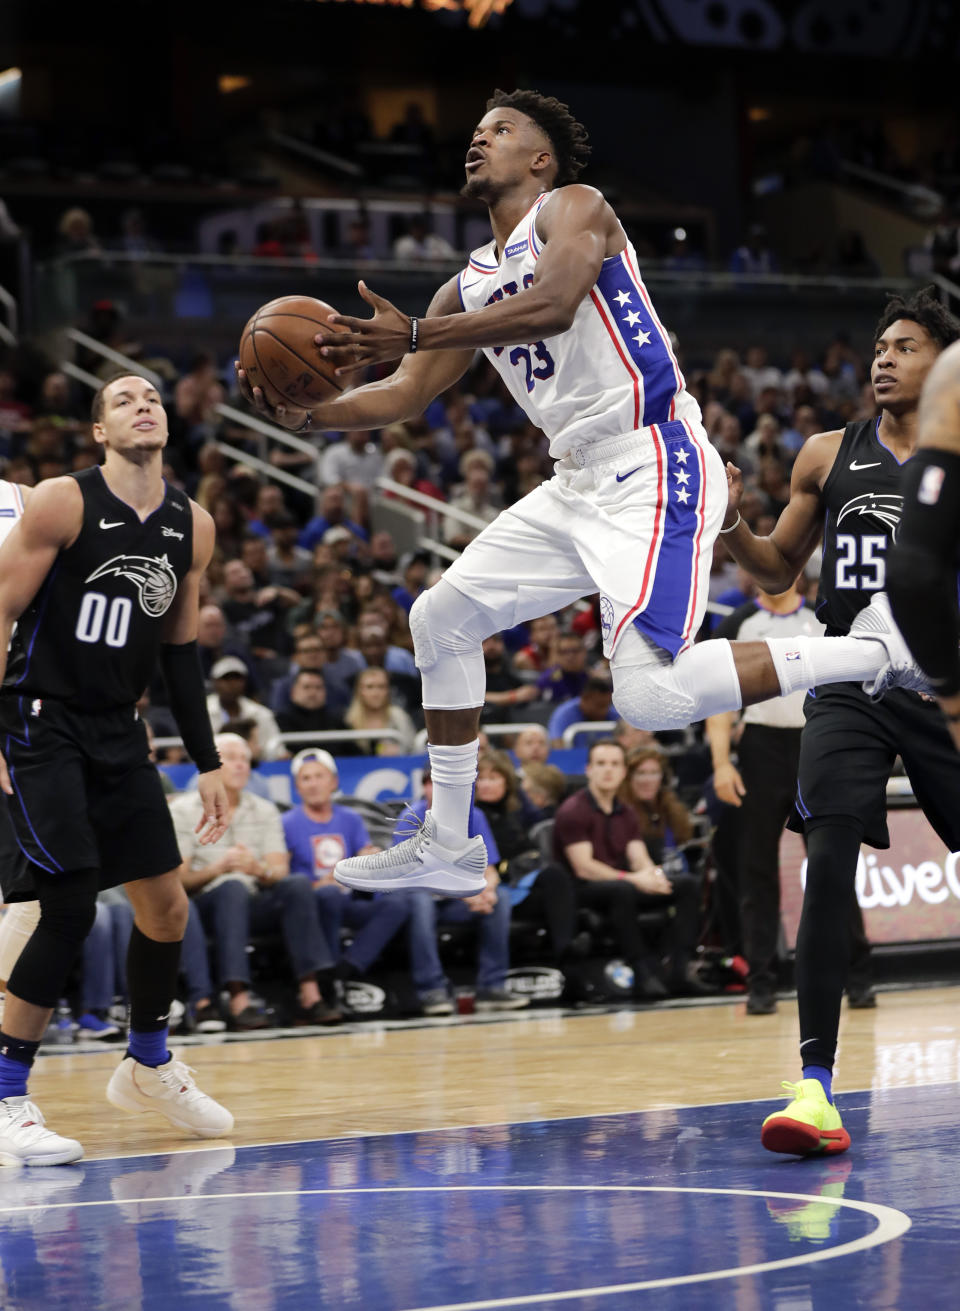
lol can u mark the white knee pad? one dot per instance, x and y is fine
(702, 681)
(651, 700)
(448, 629)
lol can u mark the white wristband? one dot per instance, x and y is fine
(732, 526)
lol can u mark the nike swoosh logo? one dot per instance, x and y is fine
(104, 524)
(854, 465)
(622, 477)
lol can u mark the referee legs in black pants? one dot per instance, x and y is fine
(768, 760)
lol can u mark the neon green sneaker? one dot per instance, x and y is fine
(809, 1125)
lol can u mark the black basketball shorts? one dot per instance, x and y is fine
(85, 796)
(847, 751)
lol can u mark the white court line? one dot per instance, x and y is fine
(501, 1124)
(891, 1224)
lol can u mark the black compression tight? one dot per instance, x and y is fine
(68, 907)
(823, 940)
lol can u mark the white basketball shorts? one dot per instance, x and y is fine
(633, 517)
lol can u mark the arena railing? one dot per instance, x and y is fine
(301, 739)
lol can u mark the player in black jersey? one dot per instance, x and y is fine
(925, 563)
(102, 577)
(846, 486)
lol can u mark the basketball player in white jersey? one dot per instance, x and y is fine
(20, 919)
(556, 302)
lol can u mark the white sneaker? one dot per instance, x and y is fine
(24, 1140)
(421, 863)
(875, 623)
(170, 1090)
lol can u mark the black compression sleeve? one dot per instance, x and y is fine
(183, 675)
(922, 566)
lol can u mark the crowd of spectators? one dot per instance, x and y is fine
(304, 631)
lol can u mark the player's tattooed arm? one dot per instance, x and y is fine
(775, 561)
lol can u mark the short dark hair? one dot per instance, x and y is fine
(98, 404)
(606, 742)
(569, 139)
(924, 308)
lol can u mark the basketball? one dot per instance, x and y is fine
(278, 353)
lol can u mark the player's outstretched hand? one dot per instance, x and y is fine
(734, 492)
(367, 341)
(291, 417)
(213, 821)
(5, 783)
(728, 784)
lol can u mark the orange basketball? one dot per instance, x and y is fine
(278, 353)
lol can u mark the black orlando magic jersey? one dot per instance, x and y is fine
(863, 507)
(90, 638)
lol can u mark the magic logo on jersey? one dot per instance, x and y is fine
(885, 507)
(153, 577)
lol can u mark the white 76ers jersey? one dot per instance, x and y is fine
(613, 371)
(11, 507)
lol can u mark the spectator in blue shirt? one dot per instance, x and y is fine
(594, 703)
(333, 514)
(488, 911)
(319, 833)
(414, 579)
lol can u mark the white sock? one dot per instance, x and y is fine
(454, 772)
(804, 662)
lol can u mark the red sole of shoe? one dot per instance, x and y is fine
(794, 1138)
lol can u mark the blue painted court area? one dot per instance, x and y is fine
(667, 1209)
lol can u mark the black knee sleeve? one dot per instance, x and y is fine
(68, 907)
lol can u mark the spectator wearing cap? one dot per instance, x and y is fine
(241, 885)
(333, 513)
(288, 565)
(228, 701)
(476, 497)
(488, 913)
(595, 703)
(341, 543)
(566, 678)
(319, 833)
(415, 570)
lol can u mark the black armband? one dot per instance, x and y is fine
(183, 676)
(922, 566)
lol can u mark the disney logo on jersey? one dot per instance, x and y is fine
(886, 507)
(153, 577)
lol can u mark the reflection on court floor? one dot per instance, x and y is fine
(668, 1209)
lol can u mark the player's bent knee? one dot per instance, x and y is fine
(651, 700)
(445, 622)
